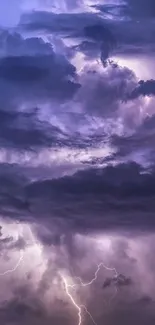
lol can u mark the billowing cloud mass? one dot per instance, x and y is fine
(77, 162)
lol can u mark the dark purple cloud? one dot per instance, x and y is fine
(77, 169)
(144, 88)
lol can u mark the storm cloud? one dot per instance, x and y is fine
(77, 162)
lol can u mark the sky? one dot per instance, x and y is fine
(77, 162)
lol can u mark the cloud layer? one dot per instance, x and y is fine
(77, 169)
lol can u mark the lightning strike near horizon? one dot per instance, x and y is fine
(80, 307)
(72, 300)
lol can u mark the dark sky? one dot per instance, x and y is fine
(77, 162)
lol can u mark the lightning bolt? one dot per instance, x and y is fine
(78, 307)
(95, 276)
(72, 299)
(75, 304)
(15, 267)
(68, 286)
(17, 264)
(20, 258)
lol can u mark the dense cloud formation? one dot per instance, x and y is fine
(144, 88)
(77, 162)
(127, 189)
(30, 71)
